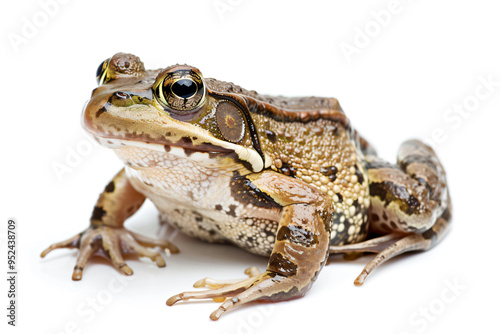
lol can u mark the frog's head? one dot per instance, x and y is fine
(172, 111)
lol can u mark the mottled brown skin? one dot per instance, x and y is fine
(287, 178)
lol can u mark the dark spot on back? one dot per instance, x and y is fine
(167, 148)
(331, 172)
(341, 199)
(359, 175)
(328, 170)
(218, 207)
(357, 206)
(287, 170)
(271, 136)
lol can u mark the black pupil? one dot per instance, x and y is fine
(184, 88)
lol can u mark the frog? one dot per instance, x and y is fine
(288, 178)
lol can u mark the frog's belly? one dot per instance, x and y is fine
(254, 235)
(205, 209)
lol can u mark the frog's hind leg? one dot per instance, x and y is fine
(410, 205)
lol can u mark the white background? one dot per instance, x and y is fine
(413, 66)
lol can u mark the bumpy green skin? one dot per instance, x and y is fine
(287, 178)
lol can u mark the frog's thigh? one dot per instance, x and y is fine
(411, 196)
(298, 254)
(410, 204)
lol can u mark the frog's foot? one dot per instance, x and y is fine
(375, 245)
(394, 244)
(387, 246)
(216, 284)
(266, 286)
(111, 242)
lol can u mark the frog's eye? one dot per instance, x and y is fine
(230, 121)
(102, 72)
(181, 91)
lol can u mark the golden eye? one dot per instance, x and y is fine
(102, 72)
(230, 121)
(181, 91)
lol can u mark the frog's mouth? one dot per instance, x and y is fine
(141, 153)
(136, 154)
(144, 127)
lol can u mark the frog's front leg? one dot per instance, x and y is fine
(299, 252)
(106, 235)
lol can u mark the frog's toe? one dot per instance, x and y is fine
(218, 294)
(216, 284)
(85, 253)
(394, 244)
(151, 242)
(267, 286)
(132, 243)
(72, 242)
(111, 243)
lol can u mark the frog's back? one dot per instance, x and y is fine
(301, 103)
(310, 138)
